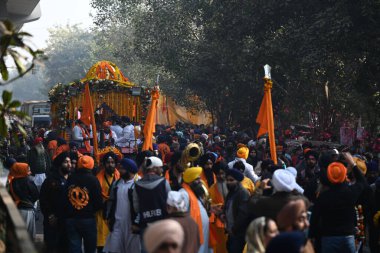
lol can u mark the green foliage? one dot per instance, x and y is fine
(12, 45)
(216, 50)
(9, 115)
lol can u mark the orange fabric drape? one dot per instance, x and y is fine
(88, 116)
(195, 212)
(61, 149)
(100, 177)
(265, 119)
(150, 125)
(204, 179)
(218, 236)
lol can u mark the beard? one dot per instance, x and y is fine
(198, 189)
(231, 187)
(110, 170)
(65, 170)
(124, 175)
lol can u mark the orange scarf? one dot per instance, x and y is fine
(195, 212)
(61, 149)
(86, 134)
(204, 179)
(101, 176)
(167, 176)
(217, 199)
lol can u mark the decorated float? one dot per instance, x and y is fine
(112, 95)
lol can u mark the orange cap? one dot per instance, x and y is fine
(86, 162)
(20, 170)
(336, 173)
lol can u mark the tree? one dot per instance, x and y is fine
(13, 47)
(216, 50)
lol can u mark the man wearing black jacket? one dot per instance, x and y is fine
(51, 199)
(84, 198)
(333, 216)
(236, 211)
(24, 193)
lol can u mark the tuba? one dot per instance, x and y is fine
(190, 154)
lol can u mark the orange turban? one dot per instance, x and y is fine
(52, 144)
(361, 165)
(20, 170)
(242, 152)
(336, 173)
(86, 162)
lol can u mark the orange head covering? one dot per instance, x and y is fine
(306, 150)
(86, 162)
(336, 173)
(52, 144)
(241, 145)
(361, 164)
(20, 170)
(242, 152)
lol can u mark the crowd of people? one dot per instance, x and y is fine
(200, 189)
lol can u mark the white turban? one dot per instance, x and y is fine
(284, 181)
(177, 200)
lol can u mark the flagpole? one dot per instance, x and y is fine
(93, 124)
(265, 115)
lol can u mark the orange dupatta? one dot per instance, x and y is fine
(195, 212)
(101, 176)
(204, 179)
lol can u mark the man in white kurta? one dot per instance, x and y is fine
(121, 239)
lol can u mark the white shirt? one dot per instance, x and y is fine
(112, 135)
(248, 171)
(118, 130)
(205, 222)
(121, 239)
(77, 134)
(128, 137)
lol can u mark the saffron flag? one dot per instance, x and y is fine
(88, 117)
(150, 125)
(265, 119)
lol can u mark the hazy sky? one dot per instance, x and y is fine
(58, 12)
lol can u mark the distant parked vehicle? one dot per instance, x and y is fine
(38, 111)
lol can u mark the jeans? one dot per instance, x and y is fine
(338, 244)
(55, 237)
(235, 244)
(78, 230)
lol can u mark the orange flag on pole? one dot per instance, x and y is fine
(88, 117)
(265, 115)
(150, 125)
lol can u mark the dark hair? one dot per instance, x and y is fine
(239, 165)
(108, 155)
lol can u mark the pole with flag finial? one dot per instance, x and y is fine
(265, 115)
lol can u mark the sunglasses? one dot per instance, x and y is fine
(167, 245)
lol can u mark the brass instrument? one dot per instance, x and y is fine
(190, 154)
(206, 199)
